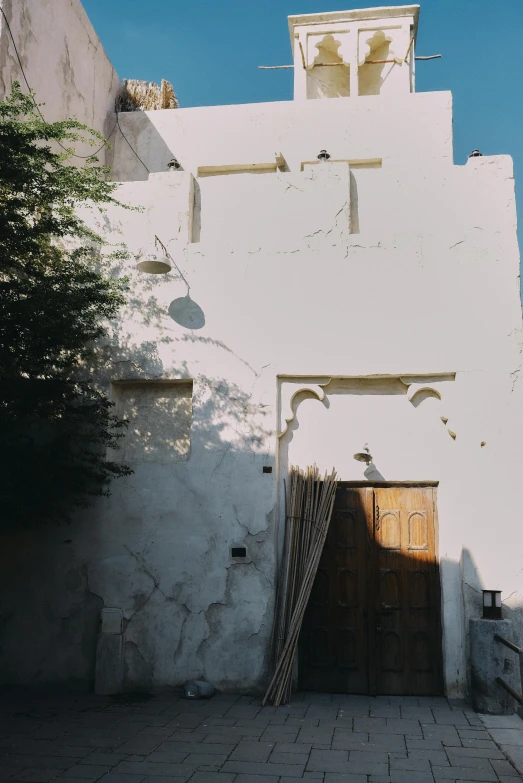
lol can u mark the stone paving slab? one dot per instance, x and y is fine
(322, 738)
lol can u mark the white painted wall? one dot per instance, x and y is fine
(414, 130)
(404, 269)
(63, 59)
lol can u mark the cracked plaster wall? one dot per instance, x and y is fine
(428, 285)
(63, 59)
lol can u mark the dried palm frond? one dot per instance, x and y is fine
(146, 96)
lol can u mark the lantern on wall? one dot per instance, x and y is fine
(323, 157)
(492, 604)
(157, 261)
(364, 456)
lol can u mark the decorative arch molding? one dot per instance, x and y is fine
(316, 41)
(294, 389)
(417, 393)
(374, 40)
(292, 392)
(336, 46)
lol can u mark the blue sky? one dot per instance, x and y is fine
(210, 50)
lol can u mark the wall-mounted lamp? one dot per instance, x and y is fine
(363, 456)
(492, 604)
(324, 156)
(173, 165)
(476, 154)
(156, 262)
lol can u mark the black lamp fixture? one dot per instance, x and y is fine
(324, 156)
(492, 605)
(476, 154)
(173, 165)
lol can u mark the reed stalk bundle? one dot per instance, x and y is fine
(309, 501)
(146, 96)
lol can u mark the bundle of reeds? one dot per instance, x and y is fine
(146, 96)
(309, 501)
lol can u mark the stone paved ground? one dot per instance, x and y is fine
(319, 737)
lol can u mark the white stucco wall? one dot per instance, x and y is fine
(407, 128)
(63, 59)
(355, 281)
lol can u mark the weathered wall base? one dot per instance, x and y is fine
(488, 660)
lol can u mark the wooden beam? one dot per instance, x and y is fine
(408, 50)
(353, 162)
(243, 168)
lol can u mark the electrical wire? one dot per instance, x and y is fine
(74, 154)
(128, 142)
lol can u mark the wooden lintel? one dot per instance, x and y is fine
(363, 483)
(206, 171)
(353, 162)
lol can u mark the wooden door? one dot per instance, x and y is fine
(372, 624)
(407, 599)
(334, 639)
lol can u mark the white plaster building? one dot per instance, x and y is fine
(372, 298)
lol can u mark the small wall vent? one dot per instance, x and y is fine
(238, 551)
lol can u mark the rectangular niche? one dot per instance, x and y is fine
(160, 418)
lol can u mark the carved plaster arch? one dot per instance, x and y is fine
(418, 392)
(336, 49)
(317, 41)
(291, 388)
(289, 401)
(376, 39)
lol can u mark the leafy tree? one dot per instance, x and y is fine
(55, 425)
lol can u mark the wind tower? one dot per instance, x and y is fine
(344, 54)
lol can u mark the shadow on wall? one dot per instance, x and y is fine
(183, 310)
(138, 138)
(187, 313)
(50, 598)
(473, 587)
(354, 208)
(49, 605)
(373, 622)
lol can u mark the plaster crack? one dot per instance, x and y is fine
(242, 524)
(472, 588)
(225, 452)
(515, 377)
(262, 573)
(148, 573)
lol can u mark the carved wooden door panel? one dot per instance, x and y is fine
(334, 640)
(406, 609)
(373, 622)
